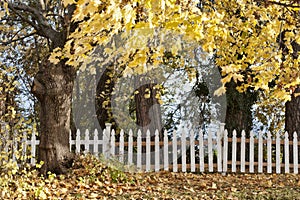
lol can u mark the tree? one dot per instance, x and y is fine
(210, 24)
(48, 23)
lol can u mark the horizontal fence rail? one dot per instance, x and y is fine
(194, 152)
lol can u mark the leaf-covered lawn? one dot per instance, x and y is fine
(91, 179)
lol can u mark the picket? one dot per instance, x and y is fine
(233, 167)
(166, 151)
(295, 151)
(286, 153)
(243, 150)
(278, 152)
(253, 154)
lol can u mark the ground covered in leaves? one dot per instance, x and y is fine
(91, 179)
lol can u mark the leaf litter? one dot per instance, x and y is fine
(90, 178)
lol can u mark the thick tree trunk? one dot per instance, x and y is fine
(148, 111)
(238, 113)
(292, 119)
(292, 115)
(53, 87)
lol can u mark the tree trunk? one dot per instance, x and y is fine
(238, 113)
(292, 119)
(148, 111)
(53, 87)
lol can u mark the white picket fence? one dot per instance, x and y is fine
(257, 154)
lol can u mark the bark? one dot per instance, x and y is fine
(238, 113)
(148, 111)
(292, 119)
(292, 115)
(53, 87)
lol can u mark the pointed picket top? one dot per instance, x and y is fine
(286, 136)
(233, 133)
(96, 134)
(165, 134)
(139, 134)
(192, 134)
(269, 135)
(130, 133)
(156, 133)
(201, 134)
(243, 133)
(226, 133)
(78, 135)
(87, 134)
(251, 134)
(113, 133)
(122, 133)
(148, 134)
(295, 135)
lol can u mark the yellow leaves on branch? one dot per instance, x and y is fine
(242, 34)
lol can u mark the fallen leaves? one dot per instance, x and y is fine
(91, 179)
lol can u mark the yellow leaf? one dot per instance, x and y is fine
(220, 91)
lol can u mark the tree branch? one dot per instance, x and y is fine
(42, 27)
(18, 39)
